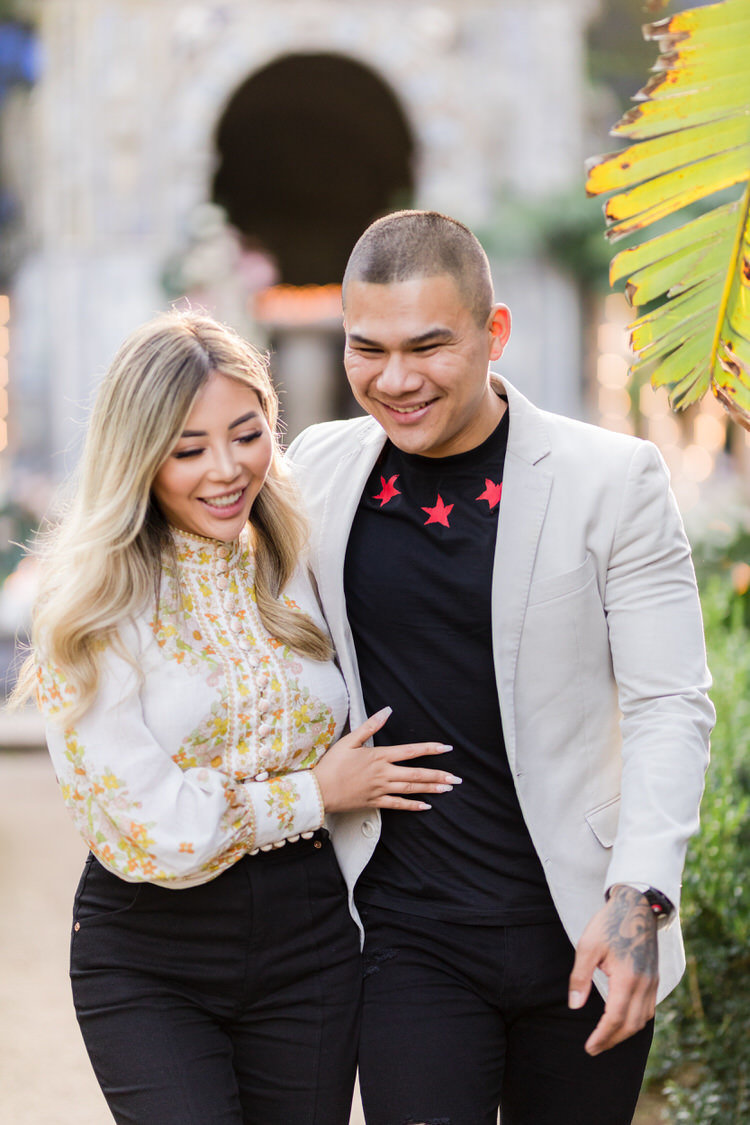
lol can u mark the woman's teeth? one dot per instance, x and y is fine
(223, 501)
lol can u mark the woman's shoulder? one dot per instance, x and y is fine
(120, 657)
(301, 593)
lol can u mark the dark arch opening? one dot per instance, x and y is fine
(311, 149)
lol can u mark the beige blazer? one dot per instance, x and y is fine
(598, 650)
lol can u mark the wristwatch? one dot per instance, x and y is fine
(661, 907)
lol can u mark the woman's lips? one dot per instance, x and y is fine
(226, 506)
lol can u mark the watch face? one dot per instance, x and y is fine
(659, 903)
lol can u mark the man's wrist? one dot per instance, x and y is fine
(661, 907)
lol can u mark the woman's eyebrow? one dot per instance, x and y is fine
(232, 425)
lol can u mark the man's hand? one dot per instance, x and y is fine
(621, 940)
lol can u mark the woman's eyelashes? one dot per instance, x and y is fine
(195, 451)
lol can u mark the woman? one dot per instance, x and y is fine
(186, 678)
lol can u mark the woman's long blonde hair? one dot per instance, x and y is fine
(102, 562)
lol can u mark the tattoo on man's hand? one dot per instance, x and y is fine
(631, 930)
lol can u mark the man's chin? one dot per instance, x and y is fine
(409, 433)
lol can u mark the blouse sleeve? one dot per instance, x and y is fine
(142, 814)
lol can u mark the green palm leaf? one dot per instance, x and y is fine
(691, 138)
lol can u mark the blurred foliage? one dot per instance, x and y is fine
(23, 11)
(566, 228)
(701, 1053)
(618, 55)
(17, 527)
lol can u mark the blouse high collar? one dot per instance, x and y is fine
(197, 550)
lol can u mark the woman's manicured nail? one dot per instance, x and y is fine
(383, 713)
(453, 779)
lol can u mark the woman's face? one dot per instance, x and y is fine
(209, 481)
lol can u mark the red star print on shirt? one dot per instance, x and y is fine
(388, 490)
(492, 493)
(438, 514)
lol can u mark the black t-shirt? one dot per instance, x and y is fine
(418, 578)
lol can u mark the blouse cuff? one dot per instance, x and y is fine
(286, 806)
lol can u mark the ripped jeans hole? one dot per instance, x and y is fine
(375, 960)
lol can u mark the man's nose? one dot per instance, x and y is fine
(398, 375)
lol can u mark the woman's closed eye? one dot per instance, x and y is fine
(196, 450)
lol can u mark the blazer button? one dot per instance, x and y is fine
(368, 828)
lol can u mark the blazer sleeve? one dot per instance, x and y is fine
(142, 814)
(658, 653)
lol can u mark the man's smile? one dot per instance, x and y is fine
(404, 410)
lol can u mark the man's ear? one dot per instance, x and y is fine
(499, 327)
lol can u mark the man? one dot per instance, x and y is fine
(518, 585)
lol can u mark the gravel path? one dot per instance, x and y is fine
(45, 1077)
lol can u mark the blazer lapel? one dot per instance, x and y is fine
(350, 476)
(527, 481)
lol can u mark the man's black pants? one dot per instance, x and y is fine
(231, 1003)
(461, 1019)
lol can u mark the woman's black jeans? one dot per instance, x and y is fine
(235, 1002)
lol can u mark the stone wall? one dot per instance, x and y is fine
(120, 153)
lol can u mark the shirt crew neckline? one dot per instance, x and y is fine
(457, 460)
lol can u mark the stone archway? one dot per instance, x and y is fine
(311, 148)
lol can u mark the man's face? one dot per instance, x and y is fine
(417, 361)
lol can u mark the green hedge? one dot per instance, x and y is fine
(701, 1054)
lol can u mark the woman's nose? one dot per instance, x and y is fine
(225, 466)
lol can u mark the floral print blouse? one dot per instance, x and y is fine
(199, 749)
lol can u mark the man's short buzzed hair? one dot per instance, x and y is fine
(410, 244)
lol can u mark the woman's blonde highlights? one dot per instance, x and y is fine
(101, 564)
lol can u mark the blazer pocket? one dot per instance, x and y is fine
(558, 585)
(603, 821)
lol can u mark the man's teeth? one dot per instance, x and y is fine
(409, 409)
(223, 501)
